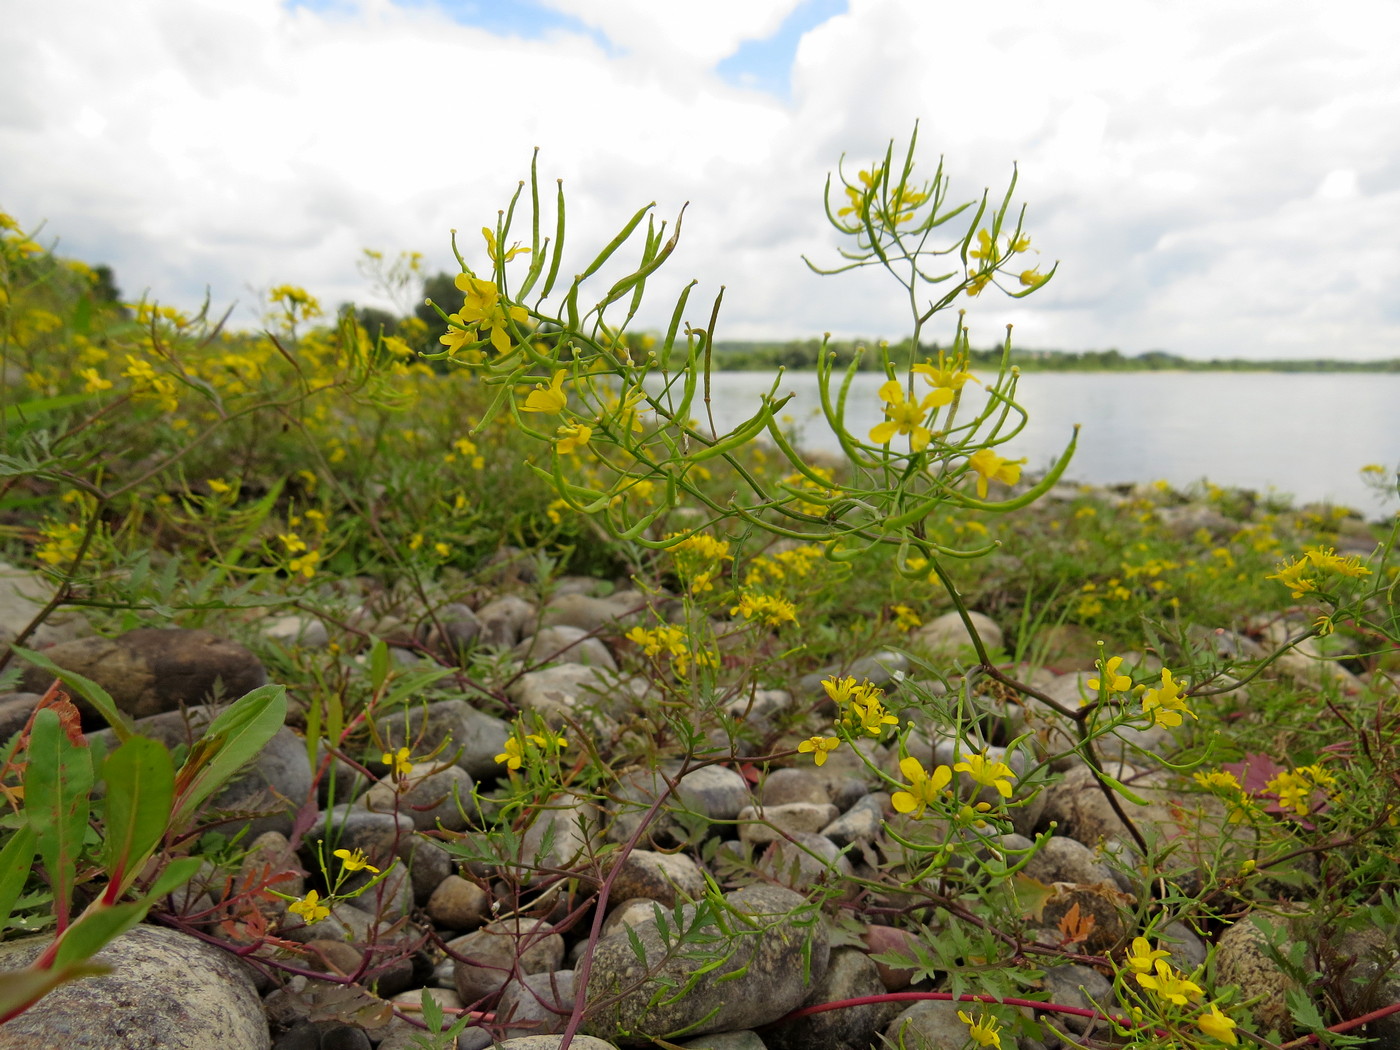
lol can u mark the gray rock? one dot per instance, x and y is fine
(860, 823)
(165, 989)
(487, 958)
(553, 1042)
(707, 794)
(1063, 859)
(741, 1040)
(15, 709)
(152, 670)
(803, 859)
(632, 912)
(760, 824)
(566, 692)
(569, 645)
(849, 975)
(1075, 985)
(296, 630)
(503, 621)
(560, 833)
(946, 635)
(452, 631)
(459, 904)
(934, 1025)
(537, 1003)
(22, 595)
(470, 738)
(431, 799)
(588, 613)
(1241, 959)
(767, 970)
(782, 786)
(664, 877)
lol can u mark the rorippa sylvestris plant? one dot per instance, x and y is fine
(628, 443)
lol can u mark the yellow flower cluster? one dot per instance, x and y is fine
(1151, 970)
(859, 707)
(764, 608)
(523, 747)
(1295, 789)
(1304, 575)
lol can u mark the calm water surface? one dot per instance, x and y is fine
(1304, 434)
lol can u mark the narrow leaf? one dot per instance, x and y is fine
(16, 862)
(231, 740)
(89, 690)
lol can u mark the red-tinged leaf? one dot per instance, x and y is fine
(69, 718)
(57, 781)
(1254, 772)
(140, 790)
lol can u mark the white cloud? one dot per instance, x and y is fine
(1215, 179)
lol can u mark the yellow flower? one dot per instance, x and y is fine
(986, 248)
(906, 618)
(1165, 704)
(308, 908)
(991, 467)
(907, 417)
(1117, 683)
(493, 249)
(765, 608)
(290, 540)
(1327, 559)
(1216, 1025)
(1169, 985)
(984, 1029)
(219, 486)
(946, 376)
(398, 762)
(93, 382)
(1291, 576)
(1218, 780)
(1033, 278)
(305, 564)
(355, 860)
(1142, 957)
(513, 755)
(572, 437)
(548, 741)
(1294, 790)
(923, 789)
(819, 747)
(868, 716)
(548, 399)
(996, 775)
(482, 308)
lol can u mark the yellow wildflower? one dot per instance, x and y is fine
(482, 308)
(93, 383)
(355, 860)
(309, 909)
(549, 399)
(398, 762)
(513, 755)
(572, 437)
(819, 747)
(305, 564)
(1117, 683)
(991, 467)
(765, 608)
(923, 788)
(1165, 705)
(996, 775)
(1326, 559)
(1291, 576)
(984, 1029)
(906, 618)
(1142, 957)
(986, 248)
(904, 416)
(493, 250)
(1170, 985)
(1216, 1025)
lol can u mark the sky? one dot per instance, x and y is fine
(1215, 178)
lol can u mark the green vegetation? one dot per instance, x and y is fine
(1216, 674)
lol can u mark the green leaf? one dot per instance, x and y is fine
(95, 929)
(89, 690)
(16, 862)
(57, 780)
(23, 988)
(231, 740)
(140, 789)
(176, 874)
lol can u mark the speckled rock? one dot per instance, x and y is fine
(504, 620)
(537, 1003)
(430, 799)
(488, 957)
(564, 645)
(934, 1025)
(768, 972)
(849, 975)
(459, 904)
(152, 670)
(1240, 959)
(552, 1042)
(664, 877)
(947, 636)
(165, 989)
(760, 824)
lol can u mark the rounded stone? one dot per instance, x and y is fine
(165, 989)
(459, 904)
(487, 958)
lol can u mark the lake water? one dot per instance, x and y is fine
(1303, 434)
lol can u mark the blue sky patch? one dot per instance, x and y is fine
(766, 65)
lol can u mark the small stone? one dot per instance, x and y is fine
(487, 957)
(536, 1004)
(459, 904)
(946, 635)
(568, 645)
(432, 799)
(664, 877)
(760, 824)
(782, 786)
(503, 620)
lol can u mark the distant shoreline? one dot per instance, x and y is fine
(801, 354)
